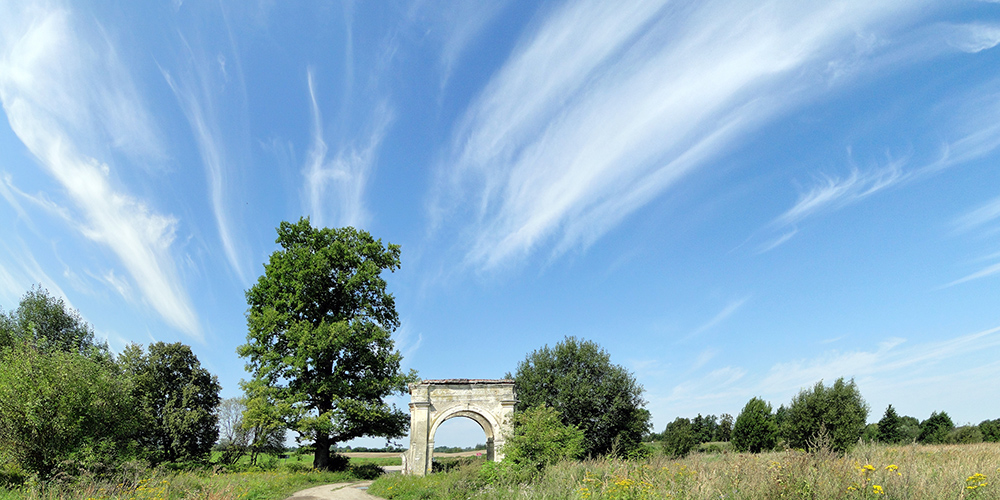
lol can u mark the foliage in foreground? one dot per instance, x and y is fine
(61, 407)
(867, 472)
(68, 407)
(541, 439)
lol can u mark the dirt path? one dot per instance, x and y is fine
(339, 491)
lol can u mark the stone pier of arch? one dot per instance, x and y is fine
(488, 402)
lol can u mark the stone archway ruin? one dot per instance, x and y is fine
(488, 402)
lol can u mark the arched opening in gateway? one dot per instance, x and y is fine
(449, 429)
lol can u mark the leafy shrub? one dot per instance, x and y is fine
(714, 447)
(678, 438)
(966, 434)
(990, 430)
(367, 471)
(339, 462)
(505, 473)
(62, 406)
(540, 439)
(755, 429)
(12, 476)
(297, 466)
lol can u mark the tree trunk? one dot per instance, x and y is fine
(321, 460)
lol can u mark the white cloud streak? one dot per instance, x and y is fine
(27, 273)
(335, 187)
(7, 191)
(982, 273)
(197, 102)
(605, 106)
(974, 219)
(833, 193)
(975, 124)
(59, 89)
(463, 21)
(724, 314)
(980, 216)
(894, 371)
(974, 37)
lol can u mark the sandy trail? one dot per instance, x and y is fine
(338, 491)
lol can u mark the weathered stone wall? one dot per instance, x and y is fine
(489, 402)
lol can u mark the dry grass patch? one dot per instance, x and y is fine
(273, 485)
(868, 472)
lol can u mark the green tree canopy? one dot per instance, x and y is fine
(889, 428)
(935, 429)
(966, 434)
(725, 431)
(910, 428)
(990, 430)
(576, 378)
(839, 410)
(177, 399)
(49, 324)
(319, 345)
(679, 438)
(755, 430)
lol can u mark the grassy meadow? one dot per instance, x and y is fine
(274, 479)
(869, 471)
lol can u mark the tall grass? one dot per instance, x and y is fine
(200, 485)
(868, 472)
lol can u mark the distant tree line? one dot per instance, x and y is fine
(683, 434)
(384, 449)
(68, 405)
(822, 417)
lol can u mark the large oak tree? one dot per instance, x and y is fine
(319, 345)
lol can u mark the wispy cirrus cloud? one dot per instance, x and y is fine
(832, 193)
(979, 216)
(460, 23)
(64, 92)
(970, 119)
(974, 37)
(199, 88)
(724, 314)
(604, 107)
(335, 187)
(24, 275)
(8, 191)
(892, 371)
(974, 219)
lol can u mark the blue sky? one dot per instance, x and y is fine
(735, 199)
